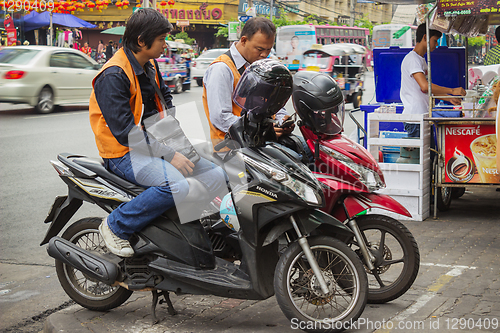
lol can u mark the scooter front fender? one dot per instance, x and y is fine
(359, 202)
(308, 221)
(312, 219)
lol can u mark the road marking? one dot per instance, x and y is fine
(447, 266)
(419, 303)
(456, 270)
(56, 115)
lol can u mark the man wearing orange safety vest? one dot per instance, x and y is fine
(222, 76)
(123, 95)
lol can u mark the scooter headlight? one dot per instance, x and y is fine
(303, 190)
(368, 177)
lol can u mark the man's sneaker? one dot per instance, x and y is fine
(115, 244)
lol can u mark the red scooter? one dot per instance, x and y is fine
(351, 176)
(386, 247)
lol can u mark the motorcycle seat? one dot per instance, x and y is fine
(197, 192)
(97, 165)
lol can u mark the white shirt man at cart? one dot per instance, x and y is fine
(414, 84)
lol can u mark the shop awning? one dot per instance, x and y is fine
(114, 31)
(34, 21)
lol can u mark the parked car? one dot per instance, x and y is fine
(45, 76)
(201, 64)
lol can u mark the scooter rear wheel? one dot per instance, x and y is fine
(302, 300)
(397, 257)
(86, 291)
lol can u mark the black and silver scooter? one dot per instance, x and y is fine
(316, 278)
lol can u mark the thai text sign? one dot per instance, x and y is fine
(468, 7)
(193, 14)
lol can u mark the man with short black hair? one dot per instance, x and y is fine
(493, 55)
(222, 76)
(414, 84)
(124, 95)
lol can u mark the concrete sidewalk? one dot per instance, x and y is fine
(457, 289)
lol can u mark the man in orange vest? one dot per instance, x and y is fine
(123, 95)
(223, 74)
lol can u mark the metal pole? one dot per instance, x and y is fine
(467, 59)
(145, 3)
(429, 77)
(271, 11)
(50, 30)
(351, 20)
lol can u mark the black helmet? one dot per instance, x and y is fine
(319, 102)
(263, 89)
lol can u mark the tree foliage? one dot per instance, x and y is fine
(222, 32)
(283, 20)
(182, 35)
(477, 41)
(364, 22)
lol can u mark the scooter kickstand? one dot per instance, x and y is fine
(153, 306)
(166, 296)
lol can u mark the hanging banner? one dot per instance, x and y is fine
(8, 23)
(467, 7)
(470, 154)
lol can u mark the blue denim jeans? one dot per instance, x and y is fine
(165, 186)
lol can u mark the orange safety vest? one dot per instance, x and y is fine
(107, 144)
(216, 134)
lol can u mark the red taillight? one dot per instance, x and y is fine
(14, 75)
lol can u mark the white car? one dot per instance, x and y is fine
(45, 76)
(200, 64)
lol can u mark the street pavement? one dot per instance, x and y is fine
(457, 288)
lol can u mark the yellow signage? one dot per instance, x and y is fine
(194, 14)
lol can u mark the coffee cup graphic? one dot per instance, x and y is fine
(484, 149)
(460, 168)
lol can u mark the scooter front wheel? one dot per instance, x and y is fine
(300, 296)
(397, 258)
(84, 290)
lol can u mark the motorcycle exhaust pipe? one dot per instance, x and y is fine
(88, 263)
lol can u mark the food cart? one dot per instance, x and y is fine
(460, 162)
(466, 139)
(344, 62)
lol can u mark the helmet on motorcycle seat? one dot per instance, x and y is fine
(263, 89)
(319, 102)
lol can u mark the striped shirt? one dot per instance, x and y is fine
(493, 56)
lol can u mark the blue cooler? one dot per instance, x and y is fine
(391, 154)
(448, 70)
